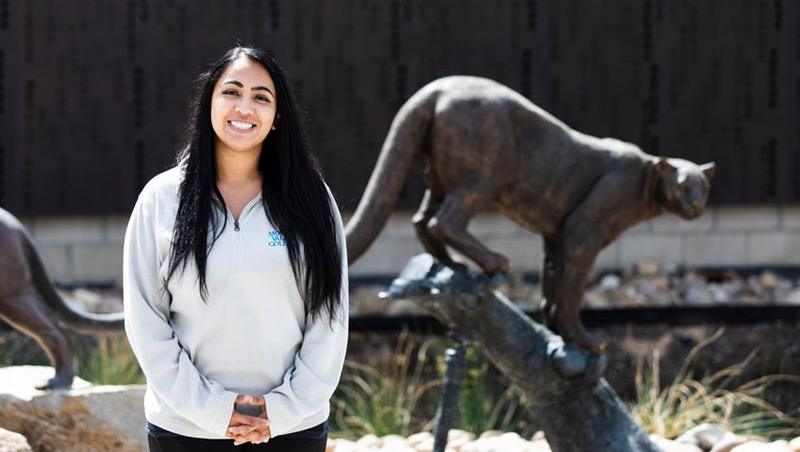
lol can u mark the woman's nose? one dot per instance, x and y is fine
(244, 105)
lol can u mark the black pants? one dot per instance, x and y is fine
(186, 444)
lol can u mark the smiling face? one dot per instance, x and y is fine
(243, 107)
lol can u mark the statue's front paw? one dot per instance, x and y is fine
(57, 382)
(573, 332)
(458, 265)
(587, 341)
(496, 263)
(573, 363)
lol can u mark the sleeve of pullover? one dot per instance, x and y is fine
(170, 372)
(308, 385)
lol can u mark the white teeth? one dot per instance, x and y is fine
(242, 125)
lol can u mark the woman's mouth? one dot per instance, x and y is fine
(243, 126)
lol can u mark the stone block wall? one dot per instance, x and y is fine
(89, 249)
(80, 249)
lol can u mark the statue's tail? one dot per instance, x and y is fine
(81, 322)
(406, 136)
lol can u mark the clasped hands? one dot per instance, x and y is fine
(243, 428)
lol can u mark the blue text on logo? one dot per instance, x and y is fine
(276, 239)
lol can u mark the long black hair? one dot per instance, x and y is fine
(293, 192)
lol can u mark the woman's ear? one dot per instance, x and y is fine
(275, 121)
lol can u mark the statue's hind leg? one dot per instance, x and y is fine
(449, 225)
(29, 314)
(430, 204)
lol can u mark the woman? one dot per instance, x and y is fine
(234, 276)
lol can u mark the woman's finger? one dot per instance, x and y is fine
(257, 400)
(241, 430)
(256, 437)
(239, 418)
(249, 399)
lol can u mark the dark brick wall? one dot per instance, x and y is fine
(93, 93)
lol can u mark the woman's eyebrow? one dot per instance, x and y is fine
(255, 88)
(261, 88)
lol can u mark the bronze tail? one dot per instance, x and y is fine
(81, 322)
(404, 140)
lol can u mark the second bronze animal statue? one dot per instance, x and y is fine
(30, 303)
(481, 145)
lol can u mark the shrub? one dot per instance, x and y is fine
(690, 401)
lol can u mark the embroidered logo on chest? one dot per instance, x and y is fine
(276, 239)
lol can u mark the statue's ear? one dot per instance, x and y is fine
(664, 167)
(709, 169)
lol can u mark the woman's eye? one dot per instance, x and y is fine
(262, 98)
(230, 92)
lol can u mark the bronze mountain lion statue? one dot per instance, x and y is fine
(29, 302)
(480, 145)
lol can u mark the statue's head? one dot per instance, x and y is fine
(684, 186)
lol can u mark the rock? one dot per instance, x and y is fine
(596, 298)
(456, 434)
(718, 293)
(393, 439)
(794, 445)
(109, 305)
(673, 446)
(610, 283)
(395, 443)
(343, 445)
(698, 295)
(13, 442)
(778, 446)
(793, 297)
(369, 441)
(511, 436)
(507, 442)
(456, 439)
(705, 436)
(418, 438)
(729, 289)
(768, 281)
(87, 297)
(539, 446)
(760, 446)
(426, 445)
(491, 433)
(728, 442)
(647, 267)
(86, 417)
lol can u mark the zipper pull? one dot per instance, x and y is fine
(236, 226)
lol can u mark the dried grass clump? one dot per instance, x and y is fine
(382, 401)
(688, 401)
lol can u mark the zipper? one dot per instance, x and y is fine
(238, 240)
(237, 246)
(238, 257)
